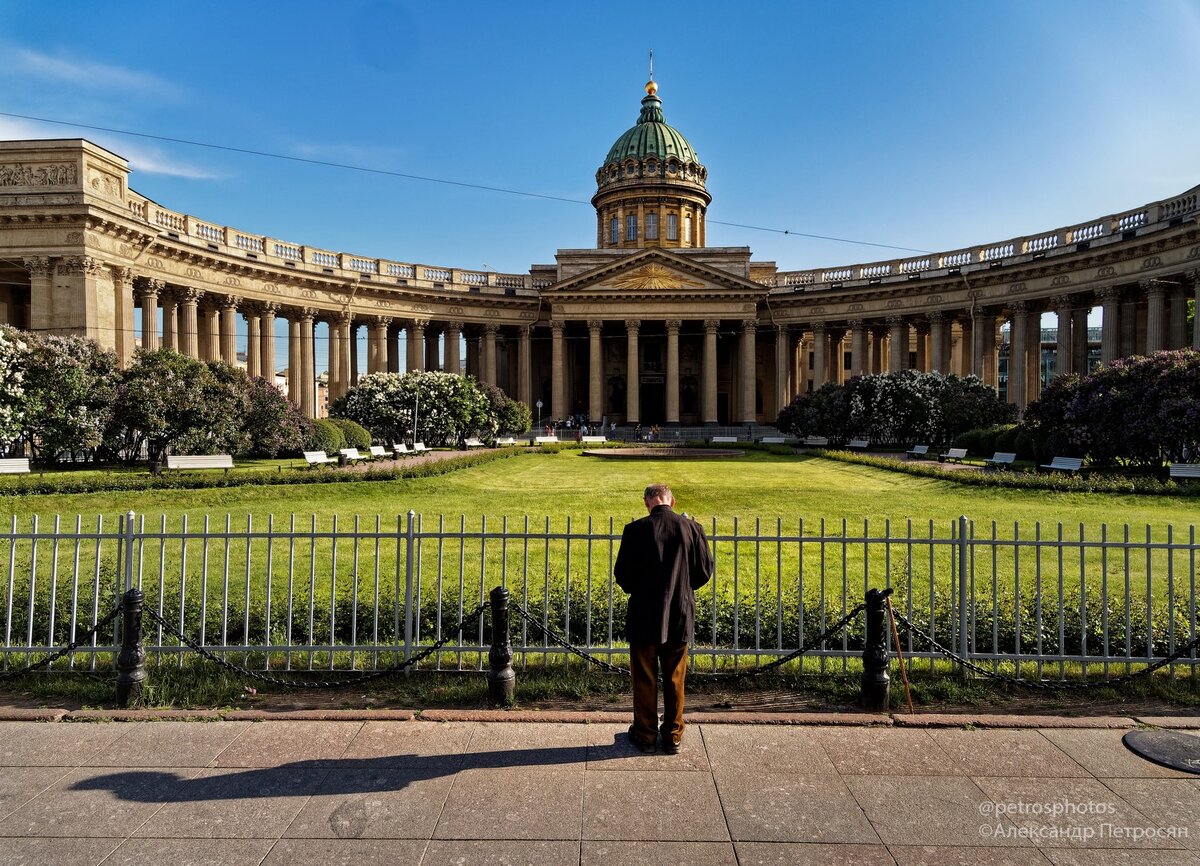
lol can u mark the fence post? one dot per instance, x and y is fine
(131, 661)
(964, 636)
(876, 683)
(502, 679)
(409, 545)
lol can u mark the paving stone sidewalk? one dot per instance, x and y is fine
(394, 792)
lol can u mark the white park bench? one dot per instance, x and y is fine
(1063, 464)
(419, 448)
(545, 440)
(1000, 459)
(593, 440)
(352, 455)
(179, 462)
(955, 455)
(475, 442)
(378, 452)
(399, 449)
(507, 440)
(14, 465)
(1179, 471)
(918, 451)
(858, 444)
(723, 440)
(318, 458)
(816, 441)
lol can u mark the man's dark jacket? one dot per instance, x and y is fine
(662, 560)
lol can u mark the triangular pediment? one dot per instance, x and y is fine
(655, 273)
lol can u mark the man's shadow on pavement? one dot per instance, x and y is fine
(336, 775)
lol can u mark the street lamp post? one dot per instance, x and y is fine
(539, 408)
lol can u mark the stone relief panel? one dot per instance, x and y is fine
(42, 174)
(105, 184)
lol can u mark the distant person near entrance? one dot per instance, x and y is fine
(663, 559)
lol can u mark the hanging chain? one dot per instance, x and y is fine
(352, 678)
(67, 650)
(1046, 685)
(554, 637)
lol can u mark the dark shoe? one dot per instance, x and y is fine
(641, 745)
(670, 748)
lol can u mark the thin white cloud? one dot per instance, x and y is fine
(142, 158)
(97, 76)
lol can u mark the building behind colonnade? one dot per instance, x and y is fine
(651, 326)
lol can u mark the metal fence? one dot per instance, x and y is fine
(363, 594)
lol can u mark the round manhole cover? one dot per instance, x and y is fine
(1169, 748)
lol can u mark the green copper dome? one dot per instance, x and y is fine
(651, 136)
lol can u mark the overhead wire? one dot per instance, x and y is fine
(422, 178)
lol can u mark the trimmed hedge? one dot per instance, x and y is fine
(1024, 480)
(28, 485)
(357, 436)
(326, 436)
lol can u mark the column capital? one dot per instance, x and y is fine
(711, 326)
(1062, 302)
(525, 331)
(633, 325)
(1108, 293)
(229, 302)
(750, 325)
(341, 318)
(856, 324)
(268, 308)
(1153, 287)
(595, 325)
(896, 321)
(307, 314)
(557, 326)
(936, 316)
(379, 321)
(782, 328)
(38, 266)
(674, 325)
(1193, 275)
(818, 327)
(419, 324)
(122, 275)
(189, 294)
(1017, 308)
(454, 326)
(149, 287)
(491, 329)
(80, 265)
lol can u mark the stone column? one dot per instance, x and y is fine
(416, 339)
(392, 349)
(148, 295)
(211, 329)
(558, 371)
(189, 327)
(267, 328)
(1110, 324)
(353, 346)
(308, 387)
(985, 338)
(876, 363)
(432, 358)
(228, 325)
(633, 380)
(1062, 352)
(1177, 335)
(525, 365)
(1079, 340)
(939, 344)
(858, 347)
(253, 340)
(1129, 325)
(345, 344)
(41, 293)
(473, 364)
(749, 327)
(294, 372)
(897, 343)
(336, 375)
(820, 345)
(783, 345)
(170, 319)
(709, 386)
(673, 326)
(122, 334)
(453, 349)
(490, 330)
(1033, 354)
(1156, 314)
(378, 340)
(1017, 354)
(1194, 276)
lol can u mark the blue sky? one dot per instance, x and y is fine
(925, 125)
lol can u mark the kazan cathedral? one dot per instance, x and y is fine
(650, 326)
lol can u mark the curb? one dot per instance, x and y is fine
(962, 720)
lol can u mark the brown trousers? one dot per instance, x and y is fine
(644, 661)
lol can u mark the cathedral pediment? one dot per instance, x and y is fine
(655, 273)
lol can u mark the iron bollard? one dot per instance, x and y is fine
(875, 680)
(502, 679)
(131, 663)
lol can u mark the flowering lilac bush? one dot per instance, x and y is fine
(1141, 411)
(70, 383)
(12, 383)
(896, 408)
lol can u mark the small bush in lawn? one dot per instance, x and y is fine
(357, 436)
(325, 436)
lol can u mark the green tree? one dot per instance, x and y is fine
(274, 425)
(70, 384)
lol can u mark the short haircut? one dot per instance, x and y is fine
(656, 491)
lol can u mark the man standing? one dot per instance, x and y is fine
(663, 559)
